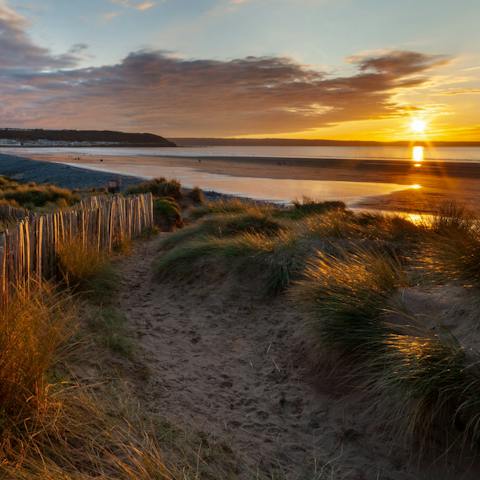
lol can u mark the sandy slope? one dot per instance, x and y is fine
(225, 363)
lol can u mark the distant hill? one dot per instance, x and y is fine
(38, 137)
(287, 142)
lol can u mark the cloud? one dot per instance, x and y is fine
(155, 91)
(136, 4)
(460, 91)
(107, 16)
(18, 52)
(151, 90)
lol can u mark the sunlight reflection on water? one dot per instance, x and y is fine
(271, 189)
(418, 155)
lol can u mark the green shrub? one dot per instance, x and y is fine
(310, 207)
(167, 213)
(159, 187)
(197, 196)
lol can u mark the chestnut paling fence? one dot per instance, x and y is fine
(28, 251)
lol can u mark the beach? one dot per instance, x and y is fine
(395, 185)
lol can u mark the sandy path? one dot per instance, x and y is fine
(223, 364)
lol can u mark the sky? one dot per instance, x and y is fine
(339, 69)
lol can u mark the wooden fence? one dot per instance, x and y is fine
(28, 251)
(9, 213)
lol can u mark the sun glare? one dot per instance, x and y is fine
(418, 125)
(418, 154)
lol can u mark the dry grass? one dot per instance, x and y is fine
(84, 268)
(53, 428)
(78, 435)
(32, 195)
(33, 327)
(232, 206)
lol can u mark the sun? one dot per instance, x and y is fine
(418, 125)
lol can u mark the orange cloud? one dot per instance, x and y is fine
(154, 91)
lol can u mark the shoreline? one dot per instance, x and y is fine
(433, 182)
(439, 182)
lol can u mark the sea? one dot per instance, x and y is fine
(262, 188)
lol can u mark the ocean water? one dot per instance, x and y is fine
(284, 190)
(281, 190)
(447, 154)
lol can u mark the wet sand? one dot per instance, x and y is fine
(435, 182)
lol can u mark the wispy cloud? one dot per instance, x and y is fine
(140, 5)
(107, 16)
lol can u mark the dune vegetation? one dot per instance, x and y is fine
(349, 276)
(32, 195)
(55, 424)
(347, 273)
(52, 426)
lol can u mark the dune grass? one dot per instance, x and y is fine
(224, 225)
(271, 261)
(77, 435)
(51, 427)
(167, 213)
(32, 195)
(345, 271)
(233, 206)
(429, 387)
(158, 187)
(33, 326)
(454, 245)
(423, 380)
(307, 207)
(273, 244)
(345, 297)
(197, 196)
(110, 327)
(179, 262)
(85, 269)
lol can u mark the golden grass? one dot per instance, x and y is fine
(32, 329)
(232, 206)
(77, 436)
(84, 268)
(33, 195)
(344, 298)
(57, 429)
